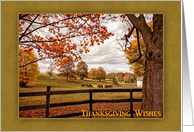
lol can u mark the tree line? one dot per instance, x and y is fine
(68, 70)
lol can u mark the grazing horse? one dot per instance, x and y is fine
(83, 85)
(108, 86)
(89, 85)
(100, 86)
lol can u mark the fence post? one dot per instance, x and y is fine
(47, 102)
(91, 102)
(131, 102)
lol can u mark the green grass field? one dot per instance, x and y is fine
(60, 83)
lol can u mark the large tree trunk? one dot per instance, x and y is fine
(153, 78)
(152, 90)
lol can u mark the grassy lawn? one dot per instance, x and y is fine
(60, 84)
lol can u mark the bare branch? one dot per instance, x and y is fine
(21, 17)
(28, 27)
(129, 33)
(54, 39)
(126, 36)
(140, 24)
(39, 60)
(140, 54)
(52, 24)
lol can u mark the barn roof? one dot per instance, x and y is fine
(140, 79)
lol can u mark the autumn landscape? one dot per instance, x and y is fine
(93, 62)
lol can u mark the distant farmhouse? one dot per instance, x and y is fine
(140, 82)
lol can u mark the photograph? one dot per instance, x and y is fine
(90, 66)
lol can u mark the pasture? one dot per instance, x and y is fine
(60, 84)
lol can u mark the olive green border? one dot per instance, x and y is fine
(172, 66)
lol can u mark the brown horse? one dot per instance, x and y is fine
(100, 86)
(108, 86)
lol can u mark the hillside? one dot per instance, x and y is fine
(60, 83)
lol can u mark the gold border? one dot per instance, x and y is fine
(171, 55)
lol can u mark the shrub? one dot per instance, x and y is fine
(23, 84)
(114, 81)
(132, 79)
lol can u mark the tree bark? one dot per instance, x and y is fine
(152, 90)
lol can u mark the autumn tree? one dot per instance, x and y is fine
(29, 73)
(92, 73)
(127, 77)
(120, 76)
(61, 36)
(131, 53)
(152, 90)
(82, 70)
(101, 74)
(109, 75)
(51, 69)
(68, 70)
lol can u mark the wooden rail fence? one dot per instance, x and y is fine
(90, 101)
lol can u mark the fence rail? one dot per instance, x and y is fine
(75, 91)
(90, 101)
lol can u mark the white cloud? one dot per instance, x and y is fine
(43, 67)
(104, 54)
(44, 64)
(111, 68)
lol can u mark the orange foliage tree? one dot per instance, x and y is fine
(109, 75)
(131, 53)
(61, 36)
(30, 72)
(137, 51)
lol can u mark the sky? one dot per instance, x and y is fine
(106, 55)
